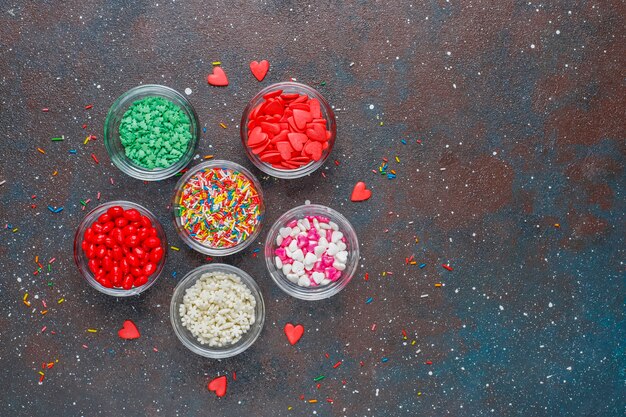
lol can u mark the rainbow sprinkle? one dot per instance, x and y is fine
(219, 207)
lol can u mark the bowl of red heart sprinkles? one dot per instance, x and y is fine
(312, 252)
(288, 130)
(119, 248)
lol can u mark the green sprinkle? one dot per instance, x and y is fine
(319, 378)
(57, 139)
(323, 83)
(155, 132)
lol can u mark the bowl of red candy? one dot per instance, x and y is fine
(288, 130)
(120, 248)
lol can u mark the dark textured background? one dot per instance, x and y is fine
(529, 323)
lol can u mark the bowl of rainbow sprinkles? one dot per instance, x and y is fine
(218, 208)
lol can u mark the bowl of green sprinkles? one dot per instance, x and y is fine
(151, 132)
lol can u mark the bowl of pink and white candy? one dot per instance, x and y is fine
(312, 252)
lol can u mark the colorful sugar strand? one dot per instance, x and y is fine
(219, 207)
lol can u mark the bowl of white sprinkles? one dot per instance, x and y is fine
(217, 311)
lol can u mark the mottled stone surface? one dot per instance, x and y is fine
(519, 107)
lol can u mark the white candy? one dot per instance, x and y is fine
(297, 267)
(293, 246)
(304, 281)
(332, 249)
(339, 266)
(286, 269)
(279, 240)
(218, 309)
(324, 226)
(308, 267)
(333, 225)
(306, 223)
(310, 259)
(293, 278)
(325, 281)
(323, 242)
(319, 251)
(284, 231)
(341, 246)
(298, 255)
(279, 263)
(318, 277)
(336, 236)
(295, 232)
(342, 256)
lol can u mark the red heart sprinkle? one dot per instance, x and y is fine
(316, 111)
(218, 78)
(129, 331)
(294, 333)
(297, 140)
(301, 118)
(259, 69)
(314, 149)
(360, 193)
(218, 385)
(257, 137)
(285, 150)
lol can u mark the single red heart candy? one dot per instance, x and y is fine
(297, 140)
(293, 333)
(218, 78)
(218, 385)
(128, 331)
(301, 118)
(259, 69)
(285, 150)
(360, 193)
(316, 111)
(316, 132)
(257, 137)
(271, 157)
(275, 107)
(314, 149)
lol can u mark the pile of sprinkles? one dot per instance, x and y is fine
(219, 207)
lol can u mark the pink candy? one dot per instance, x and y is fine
(311, 251)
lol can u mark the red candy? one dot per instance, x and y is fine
(287, 131)
(122, 248)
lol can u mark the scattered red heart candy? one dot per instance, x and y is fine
(293, 333)
(259, 69)
(218, 78)
(128, 331)
(218, 385)
(360, 193)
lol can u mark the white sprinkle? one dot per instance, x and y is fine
(550, 305)
(188, 91)
(371, 107)
(532, 46)
(423, 295)
(501, 308)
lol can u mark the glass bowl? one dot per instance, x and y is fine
(185, 335)
(114, 145)
(186, 236)
(289, 88)
(319, 292)
(81, 259)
